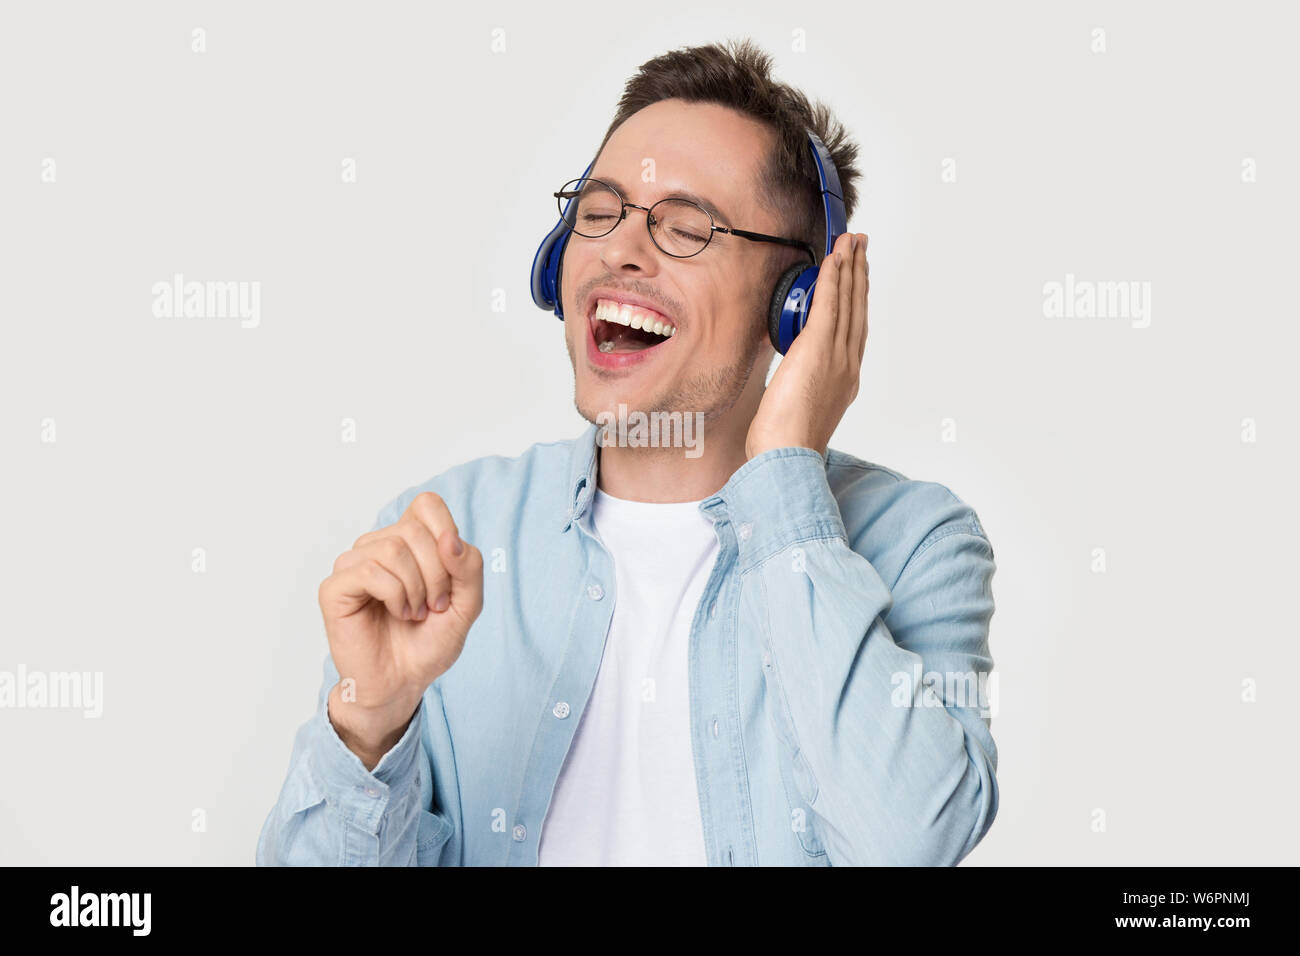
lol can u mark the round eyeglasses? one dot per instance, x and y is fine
(678, 227)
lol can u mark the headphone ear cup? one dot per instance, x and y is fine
(559, 293)
(559, 276)
(544, 277)
(779, 324)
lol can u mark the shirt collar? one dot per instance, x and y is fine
(581, 484)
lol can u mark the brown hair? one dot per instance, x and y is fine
(738, 75)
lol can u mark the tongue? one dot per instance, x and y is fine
(627, 339)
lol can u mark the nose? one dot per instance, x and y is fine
(629, 247)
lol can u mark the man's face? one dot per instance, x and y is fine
(716, 299)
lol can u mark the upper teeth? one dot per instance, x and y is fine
(629, 315)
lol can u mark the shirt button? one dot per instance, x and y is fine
(372, 792)
(715, 726)
(561, 709)
(767, 660)
(713, 609)
(595, 592)
(745, 530)
(519, 833)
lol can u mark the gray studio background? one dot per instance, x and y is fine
(1157, 691)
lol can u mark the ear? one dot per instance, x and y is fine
(785, 258)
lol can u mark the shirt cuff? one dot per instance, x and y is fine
(779, 497)
(362, 796)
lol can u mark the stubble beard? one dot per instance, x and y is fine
(711, 393)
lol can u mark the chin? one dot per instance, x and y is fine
(590, 405)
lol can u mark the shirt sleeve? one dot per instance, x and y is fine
(333, 812)
(877, 692)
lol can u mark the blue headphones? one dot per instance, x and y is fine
(793, 295)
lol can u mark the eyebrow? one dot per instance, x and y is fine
(676, 194)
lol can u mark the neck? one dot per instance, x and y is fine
(668, 474)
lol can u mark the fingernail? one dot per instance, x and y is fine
(421, 614)
(440, 605)
(457, 546)
(406, 611)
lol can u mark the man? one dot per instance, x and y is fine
(711, 655)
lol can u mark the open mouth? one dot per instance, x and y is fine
(619, 327)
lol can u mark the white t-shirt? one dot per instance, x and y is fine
(627, 794)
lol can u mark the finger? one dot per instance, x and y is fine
(429, 511)
(348, 591)
(432, 511)
(861, 284)
(825, 297)
(395, 556)
(465, 599)
(427, 508)
(424, 546)
(844, 314)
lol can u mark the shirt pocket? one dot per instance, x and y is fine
(796, 776)
(801, 815)
(432, 833)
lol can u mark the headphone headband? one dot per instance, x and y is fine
(832, 194)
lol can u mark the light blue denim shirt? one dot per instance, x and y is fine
(837, 663)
